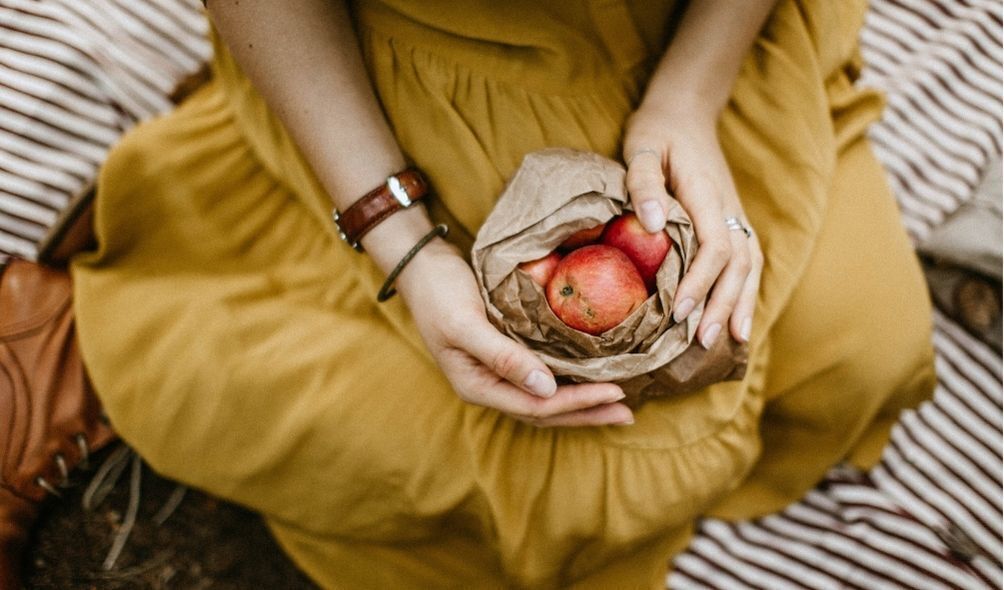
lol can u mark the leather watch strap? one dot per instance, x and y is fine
(399, 192)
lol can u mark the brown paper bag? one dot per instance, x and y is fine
(555, 193)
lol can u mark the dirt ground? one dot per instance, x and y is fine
(205, 543)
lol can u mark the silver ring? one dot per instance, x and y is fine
(734, 224)
(640, 152)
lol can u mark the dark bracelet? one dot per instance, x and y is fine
(387, 290)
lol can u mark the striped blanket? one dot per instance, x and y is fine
(75, 74)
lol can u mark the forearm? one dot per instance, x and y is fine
(303, 58)
(699, 68)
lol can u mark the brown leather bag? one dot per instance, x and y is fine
(50, 419)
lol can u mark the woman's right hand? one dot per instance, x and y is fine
(484, 366)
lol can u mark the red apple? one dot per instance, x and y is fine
(594, 288)
(583, 237)
(646, 250)
(542, 269)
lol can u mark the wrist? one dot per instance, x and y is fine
(423, 270)
(670, 110)
(389, 241)
(655, 127)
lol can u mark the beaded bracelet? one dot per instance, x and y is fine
(387, 290)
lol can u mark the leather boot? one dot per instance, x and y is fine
(50, 419)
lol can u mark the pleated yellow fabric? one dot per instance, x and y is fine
(236, 343)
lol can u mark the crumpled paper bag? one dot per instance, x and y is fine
(553, 194)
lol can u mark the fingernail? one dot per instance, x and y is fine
(683, 309)
(744, 331)
(616, 398)
(538, 383)
(710, 335)
(627, 422)
(652, 216)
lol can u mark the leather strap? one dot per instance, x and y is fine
(397, 193)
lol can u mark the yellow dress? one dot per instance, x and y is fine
(236, 343)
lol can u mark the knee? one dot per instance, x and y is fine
(128, 161)
(848, 363)
(895, 344)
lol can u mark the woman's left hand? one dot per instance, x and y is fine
(678, 153)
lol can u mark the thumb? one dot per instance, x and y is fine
(646, 185)
(510, 360)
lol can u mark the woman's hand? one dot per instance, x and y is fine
(484, 366)
(678, 153)
(671, 145)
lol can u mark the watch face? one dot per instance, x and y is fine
(397, 189)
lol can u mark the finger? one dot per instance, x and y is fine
(508, 359)
(511, 400)
(571, 398)
(741, 323)
(726, 291)
(607, 414)
(646, 185)
(713, 253)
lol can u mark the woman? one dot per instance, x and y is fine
(236, 342)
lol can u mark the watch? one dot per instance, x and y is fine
(400, 191)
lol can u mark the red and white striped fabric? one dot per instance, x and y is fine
(74, 76)
(929, 515)
(939, 62)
